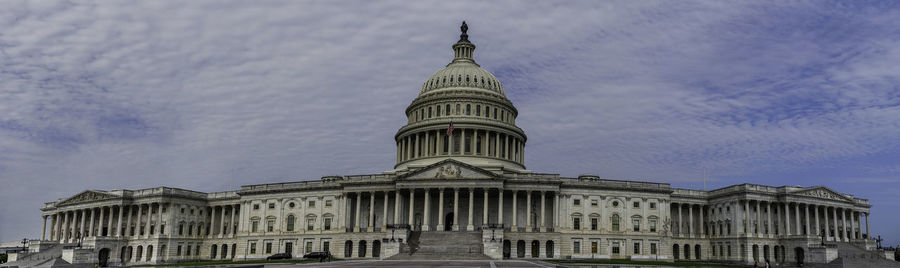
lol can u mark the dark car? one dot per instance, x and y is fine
(279, 256)
(318, 255)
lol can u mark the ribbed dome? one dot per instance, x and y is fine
(462, 74)
(463, 71)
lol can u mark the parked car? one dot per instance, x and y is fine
(318, 255)
(279, 256)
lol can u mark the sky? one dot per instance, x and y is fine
(212, 95)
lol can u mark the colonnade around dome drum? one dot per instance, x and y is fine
(463, 142)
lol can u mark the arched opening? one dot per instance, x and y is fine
(756, 253)
(520, 249)
(687, 252)
(799, 256)
(507, 248)
(362, 248)
(675, 251)
(140, 253)
(376, 249)
(448, 222)
(213, 250)
(233, 249)
(224, 251)
(775, 251)
(149, 252)
(697, 252)
(348, 249)
(535, 249)
(103, 257)
(766, 253)
(549, 249)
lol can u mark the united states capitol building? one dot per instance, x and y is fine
(459, 189)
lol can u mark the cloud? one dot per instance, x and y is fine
(212, 95)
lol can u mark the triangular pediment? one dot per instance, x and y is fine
(823, 192)
(87, 196)
(449, 169)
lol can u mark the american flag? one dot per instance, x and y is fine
(450, 129)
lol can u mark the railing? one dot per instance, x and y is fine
(398, 226)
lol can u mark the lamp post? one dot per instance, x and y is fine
(24, 243)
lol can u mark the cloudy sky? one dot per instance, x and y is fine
(213, 95)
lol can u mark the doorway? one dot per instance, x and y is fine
(798, 255)
(448, 222)
(376, 249)
(103, 257)
(507, 247)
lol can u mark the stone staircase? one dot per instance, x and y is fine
(442, 246)
(48, 257)
(850, 255)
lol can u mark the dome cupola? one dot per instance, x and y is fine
(473, 101)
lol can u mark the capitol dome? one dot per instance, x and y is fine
(474, 103)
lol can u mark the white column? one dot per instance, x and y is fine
(425, 219)
(471, 227)
(787, 219)
(397, 206)
(371, 225)
(234, 209)
(412, 206)
(528, 211)
(556, 209)
(456, 209)
(797, 218)
(747, 221)
(90, 231)
(837, 236)
(702, 221)
(827, 227)
(515, 209)
(221, 225)
(384, 216)
(358, 204)
(806, 212)
(500, 206)
(844, 225)
(816, 229)
(867, 225)
(690, 220)
(758, 220)
(440, 225)
(119, 222)
(43, 227)
(81, 225)
(484, 216)
(543, 210)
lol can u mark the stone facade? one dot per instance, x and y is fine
(460, 168)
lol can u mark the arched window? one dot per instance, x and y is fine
(290, 223)
(615, 222)
(477, 110)
(437, 111)
(447, 109)
(429, 112)
(467, 78)
(457, 109)
(468, 109)
(487, 111)
(213, 251)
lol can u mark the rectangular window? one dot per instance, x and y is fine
(255, 207)
(312, 203)
(594, 247)
(271, 205)
(637, 248)
(636, 224)
(188, 251)
(310, 224)
(327, 203)
(576, 202)
(637, 204)
(268, 247)
(327, 223)
(197, 250)
(270, 226)
(652, 226)
(326, 245)
(254, 226)
(593, 224)
(615, 248)
(576, 247)
(576, 223)
(594, 202)
(253, 248)
(729, 250)
(178, 251)
(309, 246)
(652, 205)
(653, 248)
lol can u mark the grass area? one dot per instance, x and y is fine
(204, 263)
(661, 263)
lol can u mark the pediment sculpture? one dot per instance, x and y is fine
(87, 196)
(447, 172)
(824, 194)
